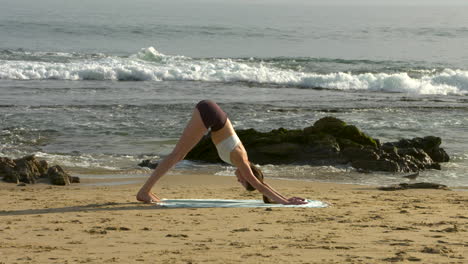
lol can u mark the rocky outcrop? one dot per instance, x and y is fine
(30, 170)
(27, 169)
(148, 163)
(331, 141)
(58, 176)
(8, 171)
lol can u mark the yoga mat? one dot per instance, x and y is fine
(212, 203)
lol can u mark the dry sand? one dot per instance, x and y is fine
(103, 224)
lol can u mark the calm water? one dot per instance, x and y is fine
(102, 85)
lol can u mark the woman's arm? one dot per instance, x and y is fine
(247, 174)
(265, 189)
(290, 199)
(240, 159)
(271, 188)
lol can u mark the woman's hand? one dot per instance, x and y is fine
(296, 200)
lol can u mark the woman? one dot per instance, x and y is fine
(208, 115)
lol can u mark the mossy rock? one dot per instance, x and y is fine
(354, 134)
(327, 140)
(346, 143)
(254, 137)
(204, 151)
(283, 146)
(327, 125)
(330, 141)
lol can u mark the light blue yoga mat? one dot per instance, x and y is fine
(212, 203)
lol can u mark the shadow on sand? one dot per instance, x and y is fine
(86, 208)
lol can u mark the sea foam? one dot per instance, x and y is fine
(151, 65)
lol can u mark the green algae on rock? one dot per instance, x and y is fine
(331, 141)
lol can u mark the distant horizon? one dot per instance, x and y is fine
(354, 2)
(290, 2)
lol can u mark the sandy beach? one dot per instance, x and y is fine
(331, 99)
(83, 223)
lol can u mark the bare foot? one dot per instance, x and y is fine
(155, 197)
(147, 198)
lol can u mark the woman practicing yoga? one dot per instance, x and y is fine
(208, 115)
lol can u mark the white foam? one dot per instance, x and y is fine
(151, 65)
(100, 161)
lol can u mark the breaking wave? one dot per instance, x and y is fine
(151, 65)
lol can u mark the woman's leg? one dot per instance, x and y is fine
(192, 134)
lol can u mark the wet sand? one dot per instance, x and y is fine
(85, 223)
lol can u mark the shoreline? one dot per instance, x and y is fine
(119, 177)
(100, 224)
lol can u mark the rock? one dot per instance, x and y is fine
(29, 170)
(438, 155)
(280, 149)
(436, 166)
(42, 166)
(7, 170)
(354, 153)
(418, 153)
(74, 179)
(420, 185)
(389, 149)
(327, 125)
(355, 135)
(430, 145)
(376, 165)
(318, 144)
(58, 176)
(148, 163)
(330, 141)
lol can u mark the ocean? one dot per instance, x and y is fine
(98, 86)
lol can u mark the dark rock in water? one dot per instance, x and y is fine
(355, 154)
(430, 145)
(58, 176)
(148, 163)
(29, 170)
(419, 185)
(74, 179)
(419, 153)
(331, 141)
(376, 165)
(436, 166)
